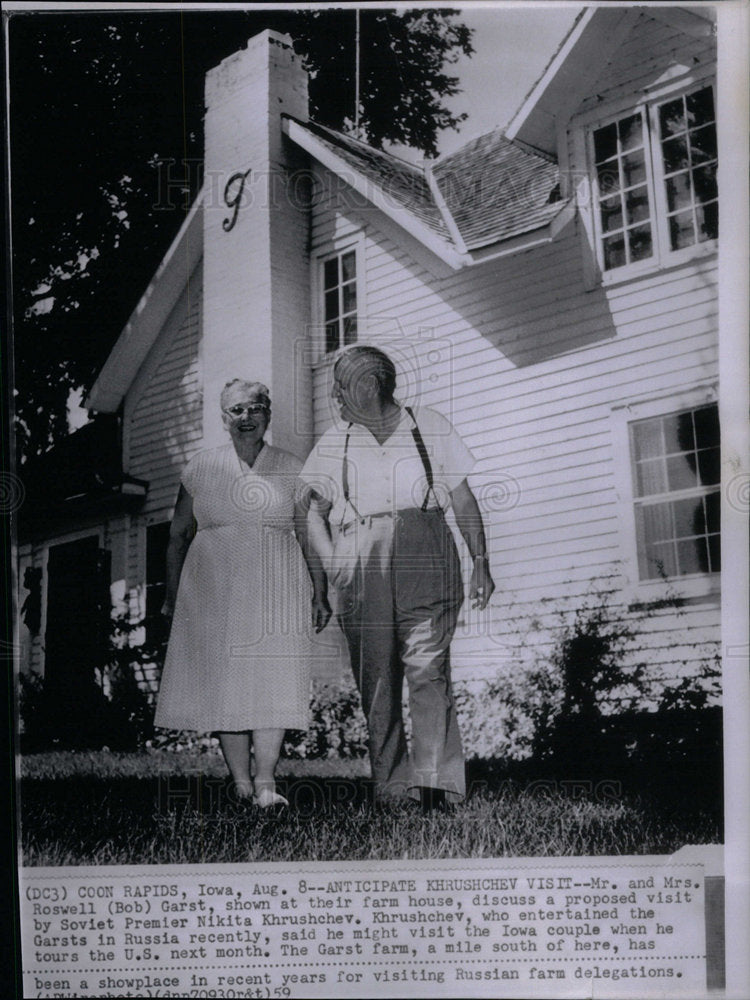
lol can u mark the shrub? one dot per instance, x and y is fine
(337, 728)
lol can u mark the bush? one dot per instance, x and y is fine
(337, 728)
(114, 711)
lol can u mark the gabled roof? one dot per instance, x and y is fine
(148, 317)
(495, 189)
(403, 181)
(489, 191)
(572, 72)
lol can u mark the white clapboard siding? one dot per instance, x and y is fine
(650, 48)
(548, 424)
(164, 424)
(165, 413)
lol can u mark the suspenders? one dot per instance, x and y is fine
(420, 445)
(419, 442)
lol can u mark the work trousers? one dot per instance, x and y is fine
(399, 585)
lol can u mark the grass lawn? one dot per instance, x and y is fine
(99, 808)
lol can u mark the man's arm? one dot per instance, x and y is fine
(471, 526)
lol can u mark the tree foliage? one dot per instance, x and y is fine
(100, 103)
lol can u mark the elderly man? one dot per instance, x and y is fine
(378, 486)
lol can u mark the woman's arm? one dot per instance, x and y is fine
(306, 528)
(471, 526)
(181, 532)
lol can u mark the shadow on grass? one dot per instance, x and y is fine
(571, 807)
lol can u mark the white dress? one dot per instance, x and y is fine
(240, 646)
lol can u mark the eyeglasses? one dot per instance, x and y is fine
(251, 409)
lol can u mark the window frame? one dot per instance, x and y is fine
(623, 415)
(336, 249)
(583, 127)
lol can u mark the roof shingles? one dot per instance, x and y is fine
(494, 189)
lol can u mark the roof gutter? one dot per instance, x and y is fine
(527, 241)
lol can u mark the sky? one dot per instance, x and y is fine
(513, 44)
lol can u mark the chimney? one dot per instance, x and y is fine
(256, 305)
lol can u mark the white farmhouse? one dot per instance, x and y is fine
(551, 288)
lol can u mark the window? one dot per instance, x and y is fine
(655, 188)
(676, 472)
(340, 299)
(687, 134)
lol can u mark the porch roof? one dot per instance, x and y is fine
(80, 475)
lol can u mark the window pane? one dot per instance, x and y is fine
(692, 556)
(714, 551)
(657, 522)
(704, 180)
(703, 144)
(672, 117)
(611, 209)
(631, 133)
(700, 106)
(350, 329)
(651, 477)
(636, 204)
(681, 232)
(349, 297)
(708, 221)
(678, 432)
(675, 154)
(348, 266)
(689, 517)
(678, 191)
(633, 168)
(614, 251)
(640, 242)
(332, 304)
(608, 178)
(681, 474)
(713, 508)
(605, 142)
(330, 273)
(707, 426)
(709, 466)
(647, 439)
(660, 560)
(332, 336)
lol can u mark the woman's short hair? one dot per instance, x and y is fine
(253, 388)
(379, 364)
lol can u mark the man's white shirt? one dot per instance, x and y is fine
(390, 476)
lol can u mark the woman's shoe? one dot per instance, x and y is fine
(267, 798)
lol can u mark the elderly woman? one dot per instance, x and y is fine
(237, 595)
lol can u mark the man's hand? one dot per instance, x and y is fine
(482, 585)
(167, 610)
(321, 612)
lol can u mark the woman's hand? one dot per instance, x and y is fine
(482, 585)
(321, 612)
